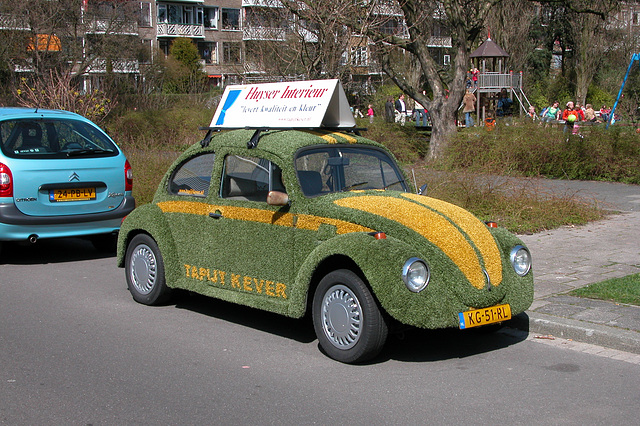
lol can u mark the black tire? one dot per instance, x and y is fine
(347, 320)
(144, 269)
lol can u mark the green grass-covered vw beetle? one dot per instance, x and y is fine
(320, 221)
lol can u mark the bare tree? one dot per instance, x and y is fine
(316, 42)
(69, 36)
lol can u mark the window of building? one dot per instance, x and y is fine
(231, 53)
(390, 26)
(208, 52)
(187, 14)
(211, 18)
(230, 19)
(144, 17)
(144, 54)
(178, 14)
(359, 56)
(174, 14)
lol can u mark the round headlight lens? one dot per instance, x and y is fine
(521, 260)
(415, 274)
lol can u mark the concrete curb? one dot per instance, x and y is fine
(580, 331)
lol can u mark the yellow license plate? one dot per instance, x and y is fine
(72, 194)
(491, 315)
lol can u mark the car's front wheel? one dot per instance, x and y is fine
(346, 318)
(144, 268)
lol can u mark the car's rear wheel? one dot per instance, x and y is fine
(144, 268)
(346, 318)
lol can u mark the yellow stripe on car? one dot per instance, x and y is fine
(475, 229)
(331, 137)
(302, 221)
(435, 227)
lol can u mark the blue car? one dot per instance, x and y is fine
(60, 176)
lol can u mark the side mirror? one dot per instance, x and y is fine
(277, 198)
(423, 190)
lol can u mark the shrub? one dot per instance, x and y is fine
(533, 150)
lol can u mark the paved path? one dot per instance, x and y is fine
(573, 257)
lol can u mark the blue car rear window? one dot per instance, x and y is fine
(53, 138)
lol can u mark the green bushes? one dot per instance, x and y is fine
(533, 150)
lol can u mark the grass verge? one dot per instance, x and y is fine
(620, 290)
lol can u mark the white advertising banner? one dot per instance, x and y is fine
(312, 104)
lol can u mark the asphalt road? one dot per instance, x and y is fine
(76, 349)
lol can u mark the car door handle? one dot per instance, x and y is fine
(215, 215)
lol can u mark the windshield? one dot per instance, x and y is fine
(328, 169)
(53, 138)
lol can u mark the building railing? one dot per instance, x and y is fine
(11, 22)
(121, 66)
(264, 33)
(435, 41)
(497, 81)
(180, 30)
(261, 3)
(102, 26)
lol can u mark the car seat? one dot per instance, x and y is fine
(310, 181)
(31, 136)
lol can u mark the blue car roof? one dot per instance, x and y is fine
(21, 112)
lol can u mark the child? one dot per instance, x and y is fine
(489, 122)
(370, 113)
(532, 113)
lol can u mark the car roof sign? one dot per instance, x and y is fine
(294, 104)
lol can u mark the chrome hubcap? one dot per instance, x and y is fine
(143, 269)
(341, 317)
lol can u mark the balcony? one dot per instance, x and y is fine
(11, 22)
(261, 3)
(264, 34)
(443, 42)
(105, 26)
(180, 30)
(122, 66)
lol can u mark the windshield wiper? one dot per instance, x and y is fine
(347, 188)
(81, 152)
(394, 183)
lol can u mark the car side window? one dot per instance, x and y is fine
(250, 178)
(193, 177)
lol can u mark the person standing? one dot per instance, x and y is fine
(503, 108)
(401, 110)
(468, 101)
(421, 113)
(388, 110)
(370, 113)
(474, 76)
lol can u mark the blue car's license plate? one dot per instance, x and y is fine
(74, 194)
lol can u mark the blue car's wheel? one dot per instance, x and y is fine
(145, 271)
(347, 320)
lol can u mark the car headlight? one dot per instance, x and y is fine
(415, 274)
(521, 260)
